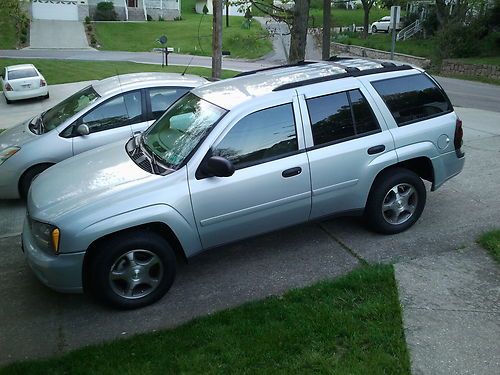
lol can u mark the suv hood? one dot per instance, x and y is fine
(83, 180)
(18, 135)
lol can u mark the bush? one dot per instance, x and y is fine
(23, 39)
(89, 28)
(458, 40)
(105, 12)
(149, 18)
(93, 40)
(160, 18)
(87, 20)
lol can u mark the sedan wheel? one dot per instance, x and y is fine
(374, 29)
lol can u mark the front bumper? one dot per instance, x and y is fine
(62, 272)
(26, 94)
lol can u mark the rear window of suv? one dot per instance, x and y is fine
(412, 98)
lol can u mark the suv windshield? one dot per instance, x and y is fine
(176, 134)
(68, 107)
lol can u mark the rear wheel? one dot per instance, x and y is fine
(132, 270)
(374, 29)
(47, 96)
(27, 178)
(396, 201)
(8, 101)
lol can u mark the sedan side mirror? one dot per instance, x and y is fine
(218, 166)
(83, 129)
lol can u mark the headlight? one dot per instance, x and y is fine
(46, 236)
(7, 153)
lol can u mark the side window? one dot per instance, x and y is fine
(411, 98)
(121, 110)
(340, 116)
(163, 97)
(331, 118)
(261, 136)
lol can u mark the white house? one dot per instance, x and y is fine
(77, 10)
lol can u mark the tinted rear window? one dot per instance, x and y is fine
(412, 98)
(22, 73)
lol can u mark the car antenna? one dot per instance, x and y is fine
(187, 66)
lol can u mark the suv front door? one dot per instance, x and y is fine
(270, 188)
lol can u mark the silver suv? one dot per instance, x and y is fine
(238, 158)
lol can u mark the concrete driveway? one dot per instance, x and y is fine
(58, 35)
(36, 322)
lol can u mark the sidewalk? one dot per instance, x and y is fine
(451, 312)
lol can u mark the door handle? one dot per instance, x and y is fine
(291, 172)
(376, 149)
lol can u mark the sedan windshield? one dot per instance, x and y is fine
(68, 108)
(177, 133)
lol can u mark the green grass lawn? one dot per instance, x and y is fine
(348, 326)
(491, 242)
(492, 60)
(242, 43)
(343, 17)
(8, 38)
(415, 47)
(64, 71)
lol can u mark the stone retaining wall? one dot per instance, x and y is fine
(476, 70)
(345, 49)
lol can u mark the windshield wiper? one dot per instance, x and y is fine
(151, 155)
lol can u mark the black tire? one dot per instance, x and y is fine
(403, 206)
(8, 101)
(27, 178)
(386, 31)
(374, 29)
(152, 259)
(47, 96)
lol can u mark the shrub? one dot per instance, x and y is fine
(93, 40)
(89, 28)
(458, 40)
(149, 18)
(23, 38)
(160, 18)
(87, 20)
(105, 12)
(178, 18)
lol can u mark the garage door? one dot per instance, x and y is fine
(55, 10)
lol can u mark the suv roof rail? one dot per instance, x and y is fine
(300, 63)
(350, 72)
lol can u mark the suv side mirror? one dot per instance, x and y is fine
(218, 166)
(83, 129)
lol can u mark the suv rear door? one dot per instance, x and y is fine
(347, 145)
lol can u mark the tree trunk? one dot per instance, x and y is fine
(366, 19)
(217, 39)
(325, 47)
(298, 31)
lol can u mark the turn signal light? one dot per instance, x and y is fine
(55, 239)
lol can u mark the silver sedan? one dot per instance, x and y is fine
(112, 109)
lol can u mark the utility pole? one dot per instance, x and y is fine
(217, 39)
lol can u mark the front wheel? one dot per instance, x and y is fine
(132, 270)
(374, 29)
(396, 201)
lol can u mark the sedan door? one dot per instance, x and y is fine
(109, 122)
(270, 188)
